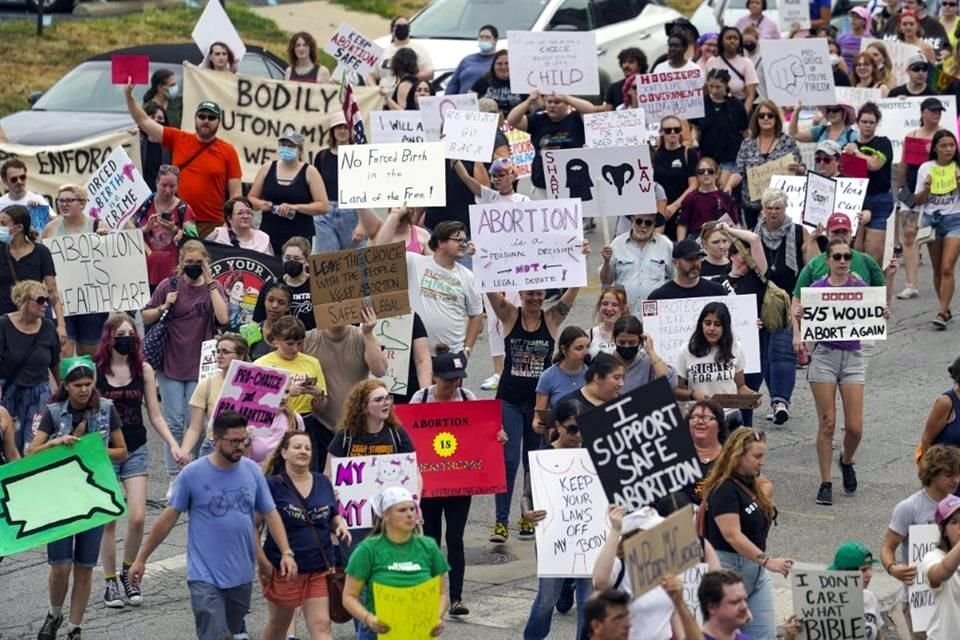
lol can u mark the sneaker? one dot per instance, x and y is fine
(491, 383)
(526, 530)
(500, 533)
(770, 414)
(457, 609)
(825, 493)
(908, 292)
(111, 594)
(129, 589)
(849, 477)
(75, 634)
(780, 412)
(565, 602)
(50, 626)
(243, 635)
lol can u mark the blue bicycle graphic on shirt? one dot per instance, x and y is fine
(231, 499)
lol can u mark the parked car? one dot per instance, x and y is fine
(85, 103)
(729, 11)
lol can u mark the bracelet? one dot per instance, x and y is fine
(765, 561)
(212, 285)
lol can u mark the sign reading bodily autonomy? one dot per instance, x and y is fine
(253, 391)
(116, 190)
(843, 313)
(392, 175)
(59, 492)
(357, 478)
(609, 181)
(562, 62)
(457, 447)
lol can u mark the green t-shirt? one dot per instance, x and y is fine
(379, 560)
(862, 266)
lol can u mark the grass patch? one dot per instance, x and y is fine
(386, 8)
(28, 63)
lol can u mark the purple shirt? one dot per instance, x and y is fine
(740, 636)
(842, 345)
(188, 324)
(700, 207)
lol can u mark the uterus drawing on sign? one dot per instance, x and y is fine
(579, 182)
(618, 175)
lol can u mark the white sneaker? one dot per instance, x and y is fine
(491, 383)
(770, 414)
(908, 293)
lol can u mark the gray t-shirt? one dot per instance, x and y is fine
(916, 509)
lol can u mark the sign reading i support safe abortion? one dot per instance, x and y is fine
(116, 190)
(253, 391)
(358, 478)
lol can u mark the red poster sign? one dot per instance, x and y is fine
(852, 166)
(457, 446)
(916, 151)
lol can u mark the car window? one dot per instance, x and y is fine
(88, 87)
(462, 19)
(252, 65)
(609, 12)
(575, 14)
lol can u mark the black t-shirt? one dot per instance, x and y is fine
(326, 164)
(672, 291)
(566, 133)
(498, 90)
(713, 272)
(745, 285)
(672, 169)
(880, 179)
(386, 441)
(901, 90)
(76, 416)
(36, 265)
(32, 354)
(615, 93)
(301, 307)
(321, 510)
(413, 384)
(459, 199)
(721, 129)
(730, 498)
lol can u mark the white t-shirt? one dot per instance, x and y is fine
(444, 298)
(945, 619)
(945, 203)
(706, 374)
(6, 201)
(387, 79)
(650, 614)
(599, 344)
(871, 614)
(689, 65)
(491, 195)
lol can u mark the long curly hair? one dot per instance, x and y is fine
(354, 418)
(736, 446)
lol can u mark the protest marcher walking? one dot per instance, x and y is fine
(606, 616)
(744, 82)
(635, 350)
(638, 261)
(165, 220)
(674, 168)
(940, 567)
(943, 422)
(721, 130)
(308, 387)
(687, 283)
(566, 373)
(495, 84)
(296, 277)
(611, 306)
(877, 151)
(277, 299)
(853, 555)
(707, 203)
(708, 430)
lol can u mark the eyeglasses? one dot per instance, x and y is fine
(41, 300)
(237, 442)
(206, 117)
(381, 399)
(243, 212)
(918, 68)
(69, 201)
(706, 171)
(842, 257)
(21, 179)
(766, 115)
(644, 222)
(673, 130)
(948, 4)
(823, 159)
(702, 417)
(462, 240)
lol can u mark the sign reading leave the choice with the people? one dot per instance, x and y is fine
(670, 93)
(469, 135)
(670, 548)
(798, 71)
(924, 538)
(254, 391)
(353, 50)
(829, 604)
(392, 175)
(457, 447)
(358, 478)
(562, 62)
(396, 126)
(116, 191)
(609, 181)
(623, 128)
(843, 313)
(100, 273)
(528, 245)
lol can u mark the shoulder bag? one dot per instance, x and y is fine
(155, 338)
(775, 309)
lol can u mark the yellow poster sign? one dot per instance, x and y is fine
(943, 180)
(410, 612)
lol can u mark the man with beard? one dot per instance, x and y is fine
(210, 172)
(638, 260)
(687, 283)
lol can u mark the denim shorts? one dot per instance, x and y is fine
(86, 328)
(836, 366)
(949, 226)
(82, 549)
(880, 206)
(136, 464)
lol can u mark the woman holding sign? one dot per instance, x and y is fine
(877, 152)
(940, 568)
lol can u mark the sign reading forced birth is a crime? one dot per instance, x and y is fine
(59, 492)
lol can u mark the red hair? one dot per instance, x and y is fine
(102, 357)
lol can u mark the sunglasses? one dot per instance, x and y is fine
(644, 222)
(918, 68)
(706, 171)
(842, 257)
(41, 300)
(766, 115)
(206, 117)
(17, 179)
(759, 436)
(948, 4)
(572, 429)
(834, 109)
(823, 159)
(671, 129)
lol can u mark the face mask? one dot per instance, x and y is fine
(173, 91)
(4, 235)
(193, 271)
(834, 59)
(750, 46)
(287, 154)
(628, 353)
(401, 31)
(485, 46)
(293, 268)
(123, 345)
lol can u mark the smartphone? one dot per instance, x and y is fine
(166, 216)
(310, 382)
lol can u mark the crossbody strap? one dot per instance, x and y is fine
(13, 268)
(195, 155)
(306, 515)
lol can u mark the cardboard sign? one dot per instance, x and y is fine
(671, 93)
(457, 446)
(353, 50)
(434, 109)
(848, 198)
(818, 199)
(902, 115)
(829, 604)
(392, 175)
(116, 191)
(843, 313)
(410, 612)
(758, 177)
(900, 53)
(396, 126)
(793, 14)
(39, 216)
(343, 282)
(670, 323)
(856, 97)
(916, 151)
(528, 245)
(469, 135)
(100, 273)
(563, 62)
(132, 68)
(243, 274)
(522, 151)
(923, 539)
(798, 71)
(640, 446)
(358, 478)
(208, 359)
(691, 585)
(395, 336)
(565, 485)
(257, 110)
(213, 26)
(623, 128)
(611, 181)
(853, 166)
(670, 548)
(254, 391)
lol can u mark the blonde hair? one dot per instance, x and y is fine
(188, 247)
(298, 242)
(734, 449)
(24, 291)
(75, 189)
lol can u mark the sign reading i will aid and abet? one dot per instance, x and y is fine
(563, 62)
(843, 313)
(353, 51)
(116, 191)
(392, 175)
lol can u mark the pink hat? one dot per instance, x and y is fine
(861, 12)
(947, 507)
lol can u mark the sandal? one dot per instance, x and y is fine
(940, 322)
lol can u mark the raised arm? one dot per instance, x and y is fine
(147, 124)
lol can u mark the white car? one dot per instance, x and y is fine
(448, 28)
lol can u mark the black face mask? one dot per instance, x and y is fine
(750, 46)
(193, 271)
(628, 353)
(123, 345)
(293, 268)
(401, 31)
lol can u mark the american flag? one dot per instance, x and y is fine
(354, 118)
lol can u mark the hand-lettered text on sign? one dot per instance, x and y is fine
(392, 175)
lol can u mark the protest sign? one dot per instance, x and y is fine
(395, 336)
(670, 548)
(793, 14)
(457, 447)
(100, 273)
(243, 274)
(670, 93)
(640, 446)
(857, 96)
(522, 150)
(563, 62)
(214, 26)
(257, 110)
(758, 177)
(889, 239)
(610, 181)
(343, 282)
(818, 198)
(116, 191)
(916, 151)
(56, 493)
(943, 180)
(691, 584)
(254, 391)
(902, 115)
(434, 109)
(566, 486)
(670, 323)
(410, 612)
(353, 51)
(48, 167)
(798, 71)
(843, 313)
(848, 199)
(853, 166)
(624, 128)
(829, 604)
(396, 126)
(358, 478)
(208, 359)
(126, 68)
(469, 135)
(528, 245)
(39, 216)
(923, 539)
(900, 53)
(392, 175)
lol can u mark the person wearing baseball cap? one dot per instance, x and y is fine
(918, 81)
(687, 283)
(939, 567)
(502, 177)
(849, 42)
(853, 555)
(837, 126)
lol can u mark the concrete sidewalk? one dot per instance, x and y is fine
(321, 19)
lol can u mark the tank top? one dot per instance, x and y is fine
(297, 191)
(413, 245)
(326, 164)
(128, 401)
(89, 226)
(951, 430)
(526, 357)
(309, 76)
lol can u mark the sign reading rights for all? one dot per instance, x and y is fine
(563, 62)
(358, 478)
(392, 175)
(671, 93)
(254, 391)
(353, 50)
(843, 313)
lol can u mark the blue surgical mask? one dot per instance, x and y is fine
(485, 46)
(4, 235)
(173, 91)
(287, 154)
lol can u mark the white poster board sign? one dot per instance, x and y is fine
(208, 359)
(857, 96)
(691, 583)
(353, 50)
(433, 110)
(902, 115)
(392, 175)
(798, 71)
(116, 191)
(670, 323)
(357, 479)
(818, 199)
(214, 25)
(396, 126)
(565, 485)
(923, 539)
(670, 93)
(610, 181)
(829, 604)
(843, 313)
(900, 53)
(849, 196)
(528, 245)
(469, 135)
(793, 14)
(395, 336)
(623, 128)
(563, 62)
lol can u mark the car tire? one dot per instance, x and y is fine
(52, 6)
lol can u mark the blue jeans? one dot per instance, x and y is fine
(541, 612)
(759, 588)
(521, 438)
(175, 395)
(778, 363)
(23, 403)
(334, 230)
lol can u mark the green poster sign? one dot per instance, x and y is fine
(57, 493)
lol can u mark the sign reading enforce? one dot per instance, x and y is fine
(843, 313)
(670, 548)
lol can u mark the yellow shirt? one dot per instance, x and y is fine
(302, 367)
(205, 397)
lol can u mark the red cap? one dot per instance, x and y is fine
(839, 221)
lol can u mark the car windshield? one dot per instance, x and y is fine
(462, 19)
